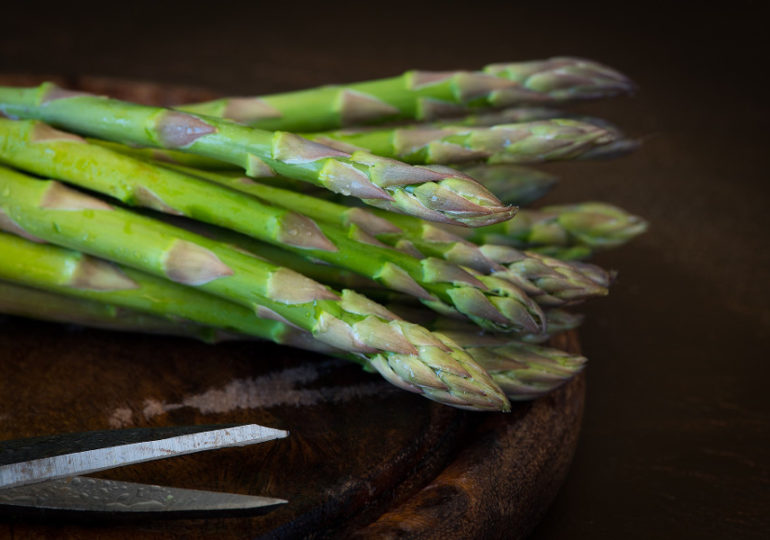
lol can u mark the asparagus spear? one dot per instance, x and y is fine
(589, 226)
(38, 304)
(511, 115)
(422, 95)
(508, 363)
(82, 278)
(558, 320)
(512, 184)
(404, 353)
(523, 370)
(517, 115)
(550, 281)
(447, 197)
(564, 78)
(439, 284)
(526, 142)
(619, 146)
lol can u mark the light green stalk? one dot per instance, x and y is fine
(511, 115)
(38, 304)
(404, 353)
(619, 146)
(90, 283)
(512, 184)
(547, 280)
(564, 78)
(422, 95)
(508, 362)
(389, 183)
(523, 370)
(590, 226)
(526, 142)
(557, 321)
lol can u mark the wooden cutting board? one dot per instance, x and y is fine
(363, 458)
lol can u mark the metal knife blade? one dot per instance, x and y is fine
(109, 497)
(38, 460)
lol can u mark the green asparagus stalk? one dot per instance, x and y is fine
(512, 115)
(558, 320)
(523, 370)
(404, 353)
(439, 284)
(512, 184)
(422, 95)
(549, 281)
(517, 115)
(82, 278)
(526, 142)
(564, 78)
(508, 362)
(619, 146)
(376, 180)
(590, 226)
(38, 304)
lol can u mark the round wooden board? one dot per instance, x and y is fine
(363, 458)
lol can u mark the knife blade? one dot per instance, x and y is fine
(29, 461)
(82, 495)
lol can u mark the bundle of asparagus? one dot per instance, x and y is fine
(321, 240)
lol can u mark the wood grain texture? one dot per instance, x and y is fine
(58, 379)
(363, 459)
(359, 451)
(503, 478)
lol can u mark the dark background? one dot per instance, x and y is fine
(675, 438)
